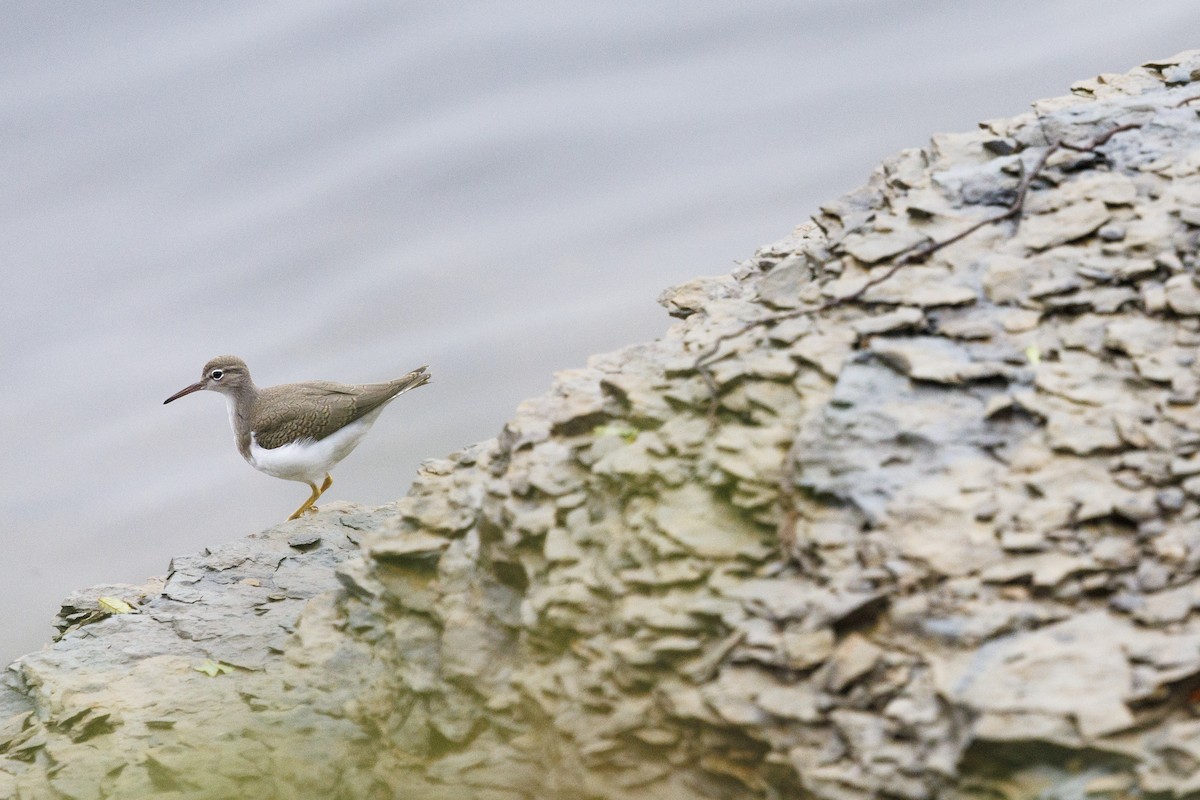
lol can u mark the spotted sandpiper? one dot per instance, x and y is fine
(298, 431)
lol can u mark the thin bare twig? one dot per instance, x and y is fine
(914, 255)
(788, 483)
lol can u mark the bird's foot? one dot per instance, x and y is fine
(300, 512)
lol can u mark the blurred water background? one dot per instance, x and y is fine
(349, 190)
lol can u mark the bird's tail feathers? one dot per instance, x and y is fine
(418, 377)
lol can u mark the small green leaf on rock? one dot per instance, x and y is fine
(626, 432)
(213, 668)
(1034, 354)
(114, 605)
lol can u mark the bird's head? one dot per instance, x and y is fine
(224, 374)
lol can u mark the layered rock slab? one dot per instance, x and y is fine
(186, 693)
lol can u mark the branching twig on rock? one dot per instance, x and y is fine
(788, 483)
(913, 255)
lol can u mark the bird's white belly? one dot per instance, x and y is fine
(308, 460)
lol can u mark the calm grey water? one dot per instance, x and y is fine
(349, 190)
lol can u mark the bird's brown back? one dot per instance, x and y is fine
(315, 409)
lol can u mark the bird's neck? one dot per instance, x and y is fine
(240, 402)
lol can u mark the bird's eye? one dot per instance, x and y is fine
(217, 374)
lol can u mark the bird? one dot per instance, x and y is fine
(298, 431)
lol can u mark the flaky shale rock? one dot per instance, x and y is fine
(905, 507)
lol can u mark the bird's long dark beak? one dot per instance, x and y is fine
(195, 387)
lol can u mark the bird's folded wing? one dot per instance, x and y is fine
(299, 411)
(315, 409)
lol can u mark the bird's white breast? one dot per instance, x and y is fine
(308, 460)
(231, 407)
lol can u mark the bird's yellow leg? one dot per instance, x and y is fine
(328, 482)
(307, 503)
